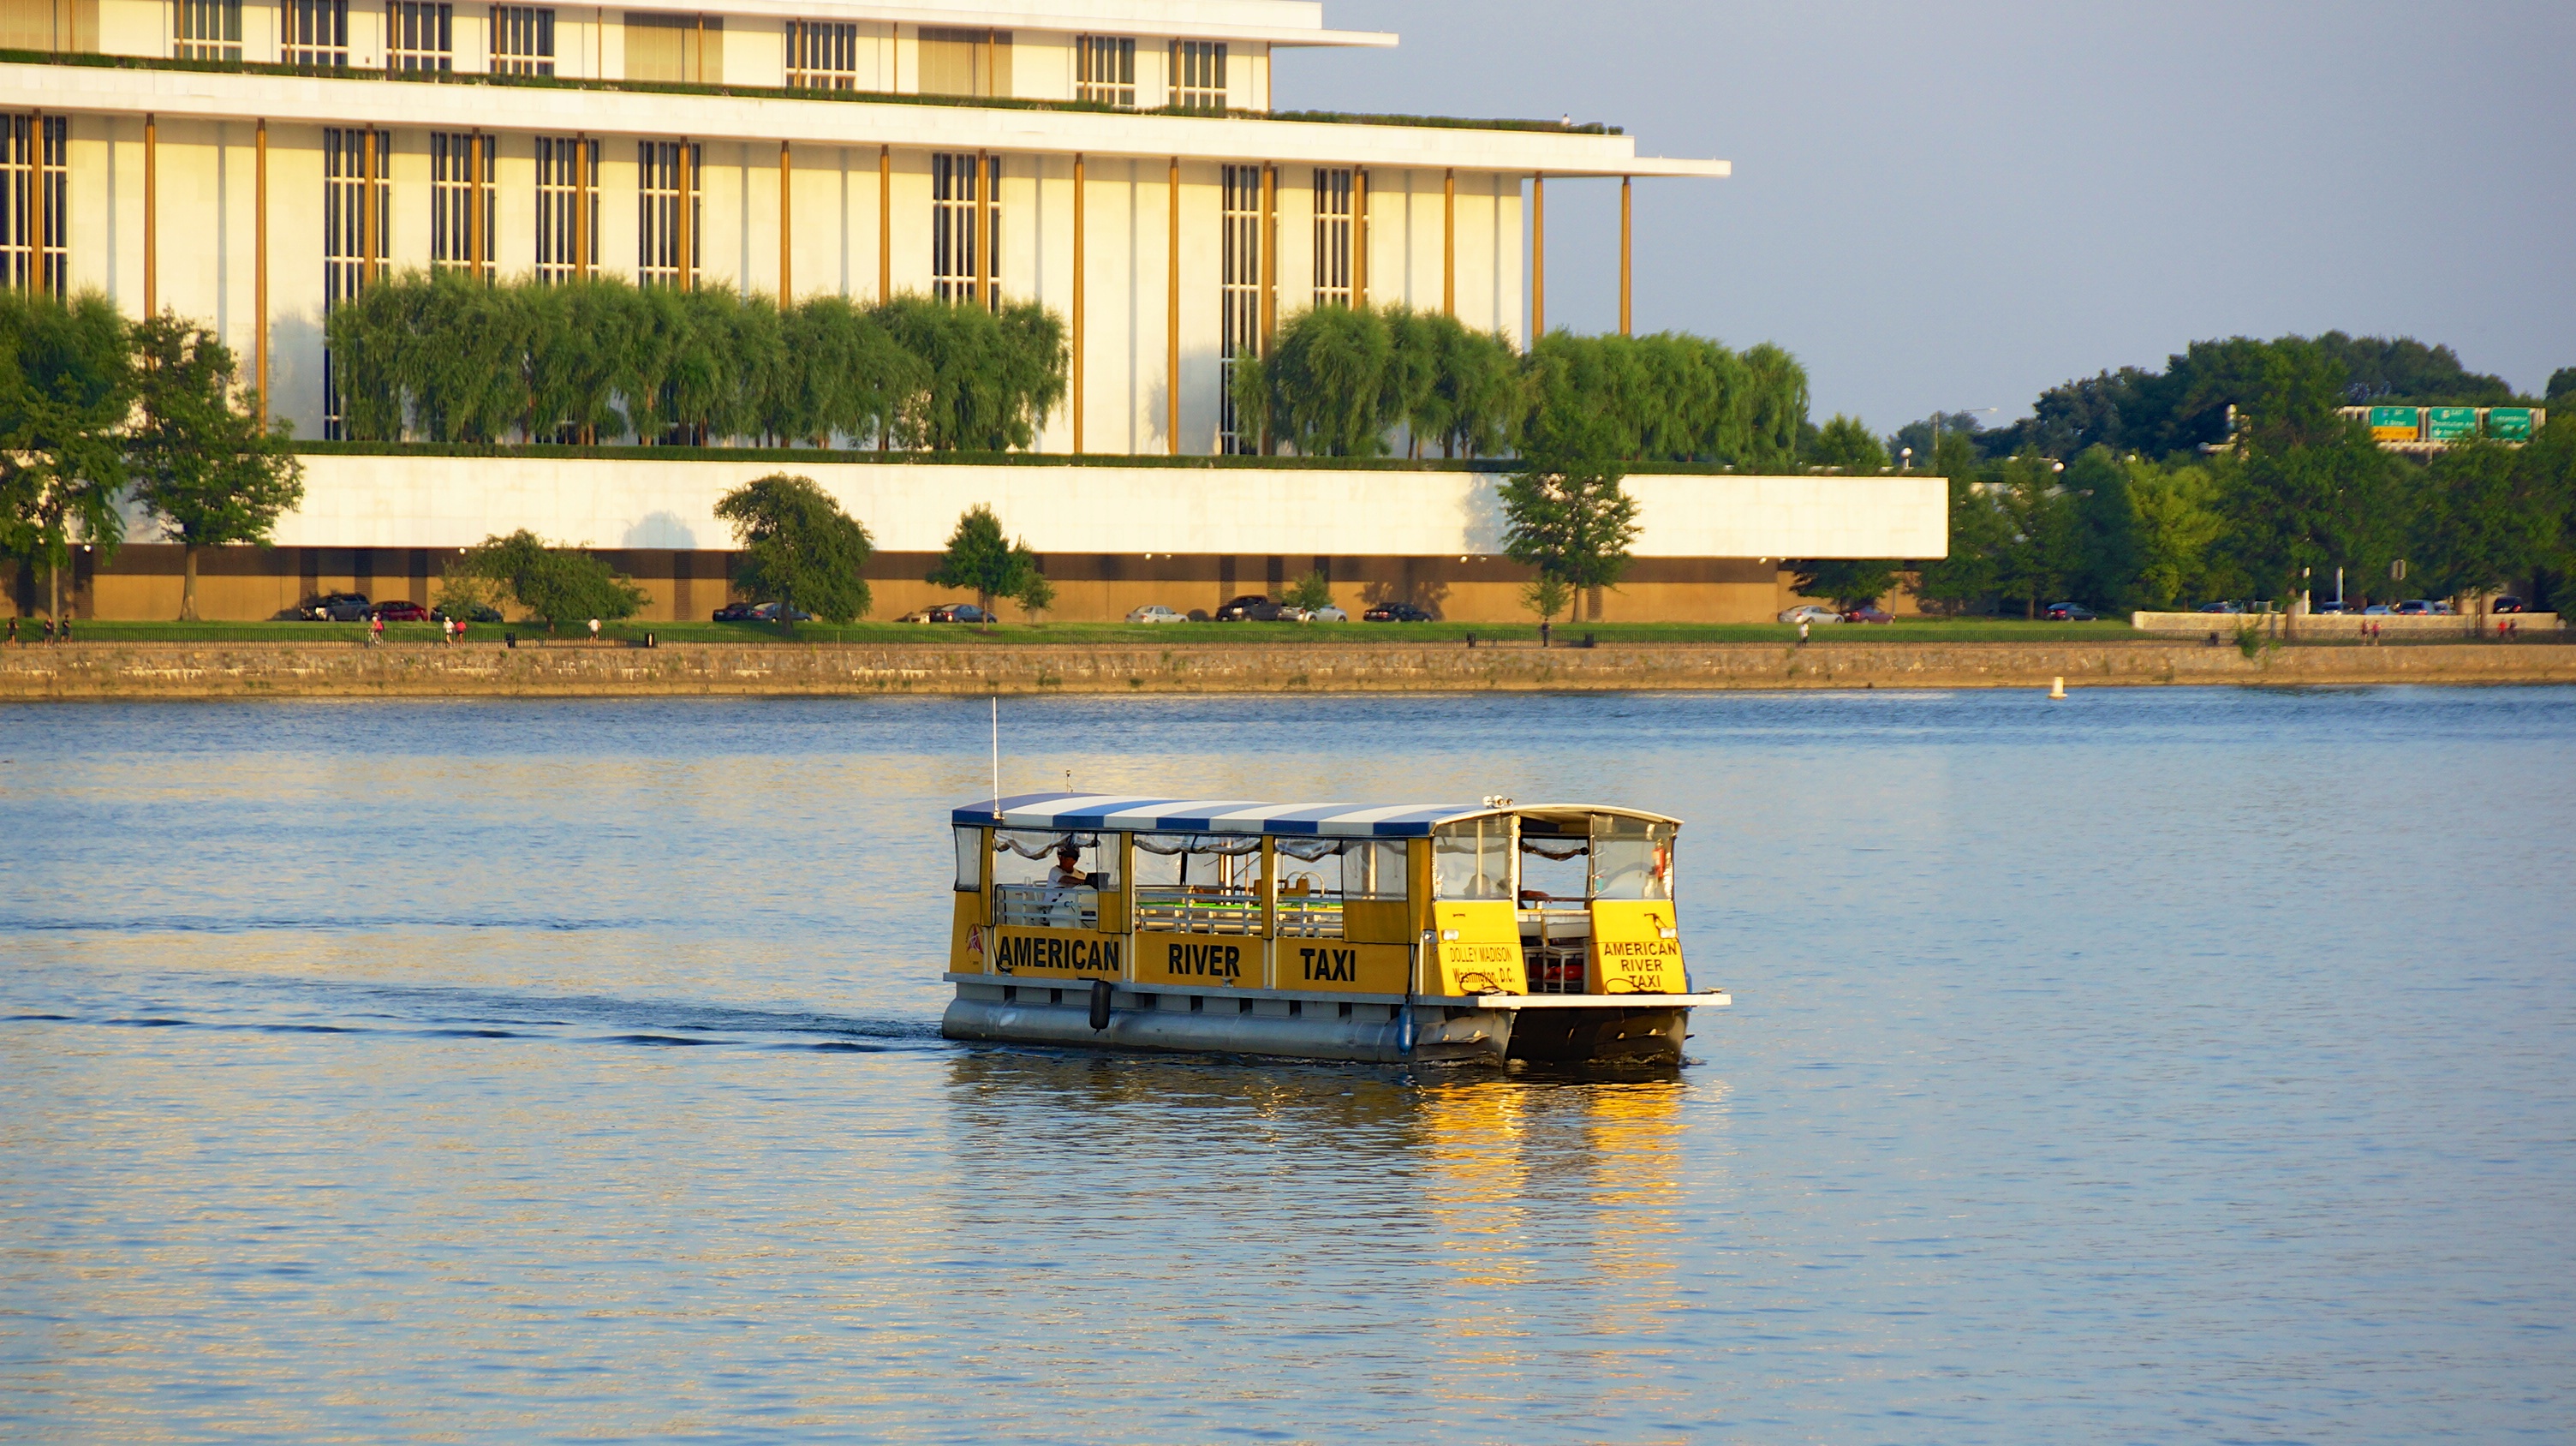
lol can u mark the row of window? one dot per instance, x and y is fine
(821, 55)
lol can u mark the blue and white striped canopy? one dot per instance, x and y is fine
(1128, 813)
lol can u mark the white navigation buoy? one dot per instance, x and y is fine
(2057, 687)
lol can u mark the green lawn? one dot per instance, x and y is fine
(1130, 634)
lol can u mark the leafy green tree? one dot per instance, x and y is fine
(1310, 592)
(66, 382)
(1569, 518)
(555, 585)
(2562, 386)
(2483, 524)
(846, 374)
(1035, 594)
(2293, 511)
(199, 463)
(2044, 549)
(1776, 407)
(1845, 444)
(2179, 528)
(1480, 392)
(1585, 399)
(1971, 573)
(2106, 523)
(799, 547)
(981, 560)
(1412, 385)
(1546, 595)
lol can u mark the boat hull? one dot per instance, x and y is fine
(1367, 1029)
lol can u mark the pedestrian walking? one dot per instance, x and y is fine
(67, 630)
(460, 630)
(13, 630)
(594, 630)
(49, 627)
(447, 631)
(1802, 632)
(375, 632)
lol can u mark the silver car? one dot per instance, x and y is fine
(1155, 613)
(1810, 613)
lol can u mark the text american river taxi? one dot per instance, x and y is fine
(1320, 931)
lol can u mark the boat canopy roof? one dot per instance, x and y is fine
(1128, 813)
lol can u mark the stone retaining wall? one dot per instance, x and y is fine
(188, 670)
(2326, 627)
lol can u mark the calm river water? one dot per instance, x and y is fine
(2156, 1065)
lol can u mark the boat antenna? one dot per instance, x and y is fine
(997, 755)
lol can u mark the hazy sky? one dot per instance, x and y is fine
(1955, 205)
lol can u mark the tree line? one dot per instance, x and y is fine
(441, 357)
(2231, 475)
(1339, 381)
(96, 412)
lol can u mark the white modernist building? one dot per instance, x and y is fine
(249, 163)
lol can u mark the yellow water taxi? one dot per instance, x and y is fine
(1320, 931)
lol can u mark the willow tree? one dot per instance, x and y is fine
(1776, 407)
(989, 381)
(1481, 391)
(846, 373)
(200, 463)
(1322, 389)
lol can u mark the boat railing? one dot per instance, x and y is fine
(1310, 916)
(1045, 906)
(1198, 909)
(1555, 947)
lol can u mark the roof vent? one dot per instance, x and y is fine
(1497, 800)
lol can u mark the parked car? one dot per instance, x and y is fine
(1155, 613)
(959, 613)
(399, 612)
(734, 613)
(2222, 607)
(2067, 612)
(1328, 613)
(339, 607)
(2508, 603)
(768, 613)
(1810, 613)
(2331, 608)
(2377, 610)
(1395, 612)
(1867, 614)
(2421, 608)
(1251, 607)
(470, 613)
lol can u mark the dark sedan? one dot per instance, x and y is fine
(2067, 612)
(338, 607)
(959, 613)
(1252, 607)
(1867, 615)
(2507, 603)
(1395, 612)
(735, 613)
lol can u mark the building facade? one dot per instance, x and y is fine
(251, 163)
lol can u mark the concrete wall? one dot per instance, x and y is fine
(2322, 626)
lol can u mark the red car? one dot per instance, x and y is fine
(399, 612)
(1866, 615)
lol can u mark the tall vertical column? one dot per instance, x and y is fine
(1627, 269)
(786, 229)
(1269, 254)
(1079, 286)
(1538, 258)
(1172, 320)
(259, 273)
(38, 204)
(475, 260)
(1449, 242)
(885, 223)
(151, 215)
(1359, 236)
(683, 213)
(581, 207)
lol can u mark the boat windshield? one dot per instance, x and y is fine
(1472, 859)
(1632, 858)
(1047, 879)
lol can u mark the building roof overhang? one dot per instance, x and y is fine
(1275, 23)
(475, 102)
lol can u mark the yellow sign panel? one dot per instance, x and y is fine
(1479, 949)
(1227, 963)
(1636, 948)
(1077, 953)
(1343, 967)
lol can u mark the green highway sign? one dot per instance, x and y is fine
(2393, 424)
(2509, 424)
(2450, 424)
